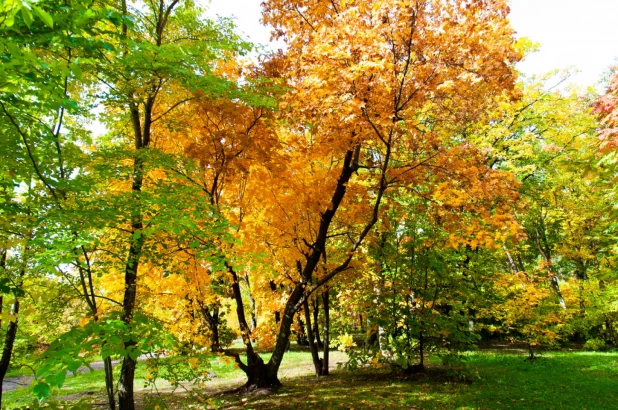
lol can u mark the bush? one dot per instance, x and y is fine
(595, 345)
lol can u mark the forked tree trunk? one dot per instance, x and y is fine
(300, 292)
(259, 374)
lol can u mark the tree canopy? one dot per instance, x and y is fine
(387, 183)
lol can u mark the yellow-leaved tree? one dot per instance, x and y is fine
(378, 95)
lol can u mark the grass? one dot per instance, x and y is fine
(582, 380)
(227, 376)
(557, 380)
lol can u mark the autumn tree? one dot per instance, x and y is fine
(606, 107)
(547, 139)
(371, 83)
(94, 222)
(224, 138)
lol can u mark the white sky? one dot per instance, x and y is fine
(578, 33)
(572, 33)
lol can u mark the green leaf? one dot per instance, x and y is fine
(60, 377)
(41, 390)
(70, 104)
(44, 16)
(134, 353)
(77, 71)
(73, 366)
(27, 15)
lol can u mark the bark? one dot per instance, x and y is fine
(125, 385)
(127, 372)
(510, 260)
(283, 337)
(9, 343)
(381, 334)
(85, 274)
(251, 303)
(421, 348)
(142, 142)
(142, 136)
(317, 249)
(212, 321)
(301, 337)
(325, 301)
(13, 326)
(316, 326)
(258, 373)
(317, 363)
(556, 287)
(609, 336)
(531, 356)
(382, 339)
(109, 382)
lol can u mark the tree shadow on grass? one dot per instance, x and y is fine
(343, 390)
(555, 381)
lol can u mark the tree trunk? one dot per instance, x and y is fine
(296, 297)
(325, 301)
(301, 337)
(317, 363)
(283, 337)
(109, 382)
(556, 287)
(381, 334)
(142, 139)
(316, 326)
(125, 385)
(7, 350)
(421, 349)
(545, 251)
(212, 321)
(251, 303)
(259, 374)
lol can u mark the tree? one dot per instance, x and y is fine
(370, 83)
(606, 107)
(41, 78)
(548, 140)
(113, 55)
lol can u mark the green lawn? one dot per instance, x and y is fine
(506, 381)
(581, 380)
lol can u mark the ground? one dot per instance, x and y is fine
(491, 380)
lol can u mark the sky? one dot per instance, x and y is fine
(572, 33)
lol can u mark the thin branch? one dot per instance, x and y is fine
(172, 107)
(30, 154)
